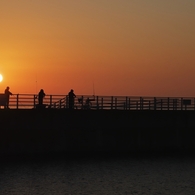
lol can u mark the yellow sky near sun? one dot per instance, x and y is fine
(120, 47)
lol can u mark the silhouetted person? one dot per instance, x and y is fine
(71, 97)
(7, 94)
(41, 95)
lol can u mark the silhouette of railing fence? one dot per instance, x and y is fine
(30, 101)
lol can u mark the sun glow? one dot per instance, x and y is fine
(1, 77)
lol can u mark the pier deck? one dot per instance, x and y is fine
(64, 130)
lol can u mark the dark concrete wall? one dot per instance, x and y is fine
(48, 130)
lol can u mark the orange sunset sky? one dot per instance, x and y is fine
(110, 47)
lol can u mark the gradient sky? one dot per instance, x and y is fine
(112, 47)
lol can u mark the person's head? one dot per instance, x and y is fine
(72, 90)
(7, 88)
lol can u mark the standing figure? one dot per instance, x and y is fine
(7, 94)
(41, 95)
(71, 97)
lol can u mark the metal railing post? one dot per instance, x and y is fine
(140, 102)
(50, 101)
(154, 103)
(126, 103)
(17, 101)
(34, 101)
(115, 103)
(111, 102)
(181, 103)
(82, 102)
(97, 103)
(102, 102)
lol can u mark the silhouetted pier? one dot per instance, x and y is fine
(109, 124)
(29, 101)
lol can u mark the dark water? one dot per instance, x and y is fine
(136, 174)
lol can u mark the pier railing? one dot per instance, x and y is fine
(30, 101)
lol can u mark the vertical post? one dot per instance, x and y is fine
(102, 102)
(67, 101)
(176, 100)
(34, 101)
(161, 103)
(50, 103)
(140, 102)
(97, 103)
(126, 103)
(181, 103)
(17, 101)
(129, 103)
(111, 102)
(115, 103)
(168, 103)
(82, 106)
(154, 103)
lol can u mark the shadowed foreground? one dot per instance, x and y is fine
(52, 130)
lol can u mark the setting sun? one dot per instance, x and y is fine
(1, 77)
(126, 48)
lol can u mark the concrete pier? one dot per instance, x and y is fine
(63, 130)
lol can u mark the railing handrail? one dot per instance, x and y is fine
(29, 101)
